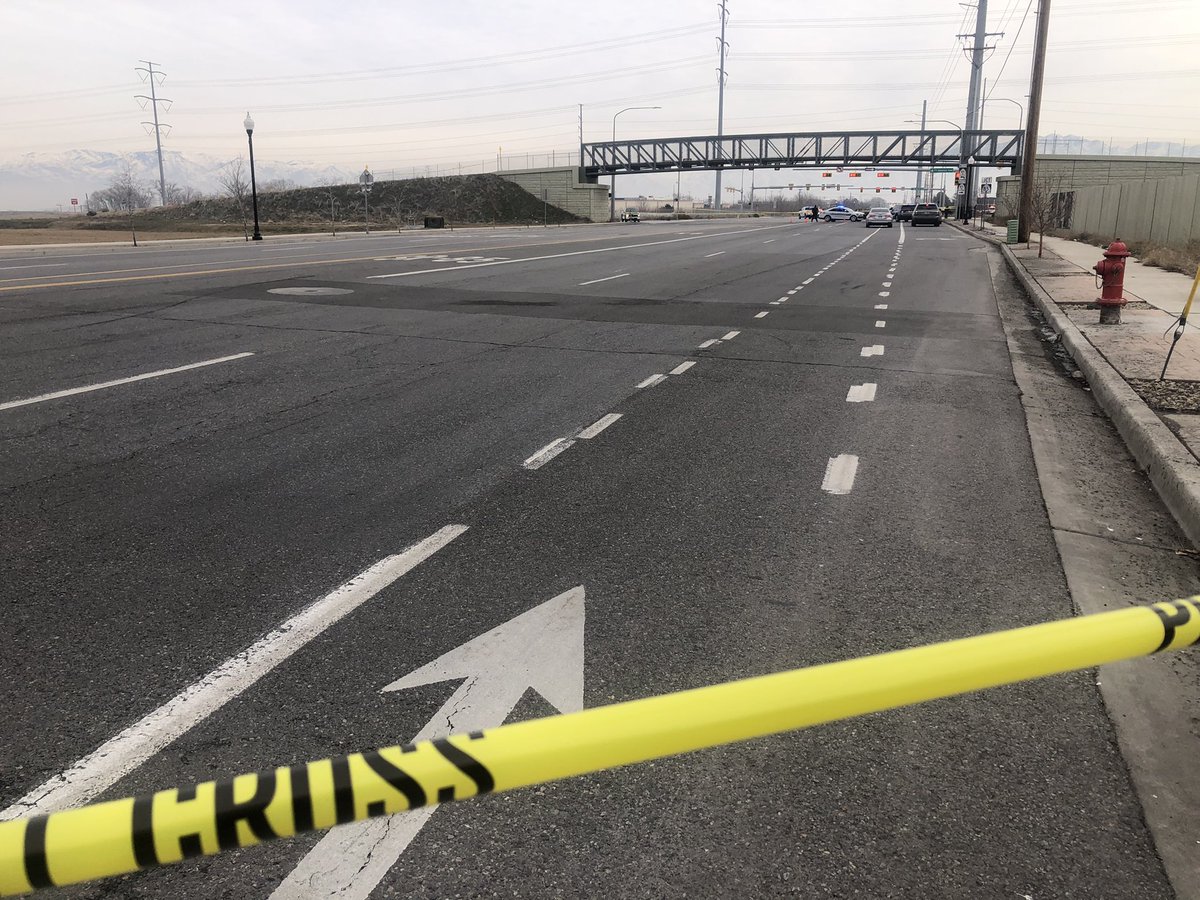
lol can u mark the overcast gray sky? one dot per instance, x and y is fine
(408, 84)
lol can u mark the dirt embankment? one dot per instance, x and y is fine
(460, 200)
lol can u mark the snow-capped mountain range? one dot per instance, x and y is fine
(42, 181)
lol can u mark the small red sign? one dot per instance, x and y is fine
(74, 201)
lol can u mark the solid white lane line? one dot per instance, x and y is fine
(839, 474)
(731, 335)
(682, 367)
(880, 323)
(653, 380)
(598, 280)
(709, 343)
(547, 453)
(901, 241)
(120, 755)
(599, 425)
(718, 253)
(873, 350)
(885, 293)
(806, 281)
(861, 393)
(881, 306)
(763, 314)
(13, 404)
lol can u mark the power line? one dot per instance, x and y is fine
(461, 64)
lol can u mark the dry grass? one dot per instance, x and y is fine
(1174, 259)
(1185, 260)
(18, 237)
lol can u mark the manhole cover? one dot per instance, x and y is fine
(310, 291)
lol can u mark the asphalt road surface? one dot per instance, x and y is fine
(755, 445)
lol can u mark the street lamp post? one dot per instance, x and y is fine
(612, 190)
(249, 126)
(365, 180)
(962, 158)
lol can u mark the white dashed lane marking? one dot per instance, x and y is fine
(839, 474)
(547, 453)
(763, 314)
(731, 335)
(880, 323)
(652, 380)
(873, 350)
(881, 306)
(709, 343)
(682, 367)
(598, 426)
(861, 393)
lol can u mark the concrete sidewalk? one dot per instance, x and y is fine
(1159, 419)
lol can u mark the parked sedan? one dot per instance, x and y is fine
(841, 214)
(880, 215)
(926, 214)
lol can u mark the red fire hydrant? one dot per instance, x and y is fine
(1111, 272)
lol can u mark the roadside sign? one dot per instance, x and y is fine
(74, 201)
(943, 169)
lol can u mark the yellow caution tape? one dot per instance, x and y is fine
(125, 835)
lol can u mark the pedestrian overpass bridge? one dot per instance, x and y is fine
(857, 149)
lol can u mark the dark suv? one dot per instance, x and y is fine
(926, 214)
(905, 212)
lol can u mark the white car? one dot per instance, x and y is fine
(630, 215)
(879, 215)
(841, 214)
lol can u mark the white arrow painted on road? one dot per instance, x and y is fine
(540, 649)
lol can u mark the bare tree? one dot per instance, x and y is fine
(124, 194)
(235, 185)
(177, 195)
(1048, 208)
(276, 185)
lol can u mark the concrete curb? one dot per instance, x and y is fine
(1173, 470)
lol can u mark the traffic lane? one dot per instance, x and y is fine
(743, 269)
(19, 259)
(1004, 791)
(710, 559)
(570, 260)
(266, 259)
(636, 284)
(184, 553)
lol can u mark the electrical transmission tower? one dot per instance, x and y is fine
(154, 100)
(722, 47)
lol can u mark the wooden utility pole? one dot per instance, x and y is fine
(1029, 154)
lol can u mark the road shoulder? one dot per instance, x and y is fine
(1119, 547)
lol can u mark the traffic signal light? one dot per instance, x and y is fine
(791, 186)
(893, 190)
(808, 187)
(883, 175)
(826, 174)
(877, 190)
(957, 177)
